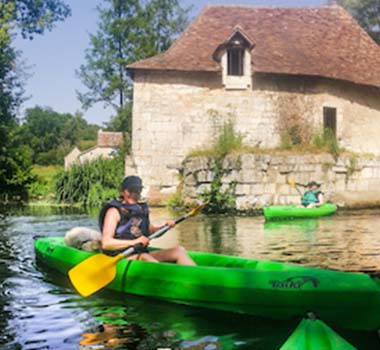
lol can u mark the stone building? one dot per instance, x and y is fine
(262, 68)
(106, 147)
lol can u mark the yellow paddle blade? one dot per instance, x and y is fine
(196, 210)
(94, 273)
(291, 182)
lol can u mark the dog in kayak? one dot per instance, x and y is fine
(83, 238)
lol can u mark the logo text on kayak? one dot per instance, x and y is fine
(295, 282)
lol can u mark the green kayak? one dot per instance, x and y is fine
(313, 334)
(270, 289)
(288, 212)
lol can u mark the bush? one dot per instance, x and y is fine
(43, 186)
(327, 141)
(176, 202)
(90, 184)
(219, 200)
(228, 140)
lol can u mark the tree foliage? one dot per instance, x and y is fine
(28, 18)
(33, 17)
(129, 30)
(14, 167)
(122, 120)
(367, 13)
(50, 135)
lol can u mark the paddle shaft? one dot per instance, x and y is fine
(294, 185)
(156, 234)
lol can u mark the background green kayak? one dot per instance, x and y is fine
(313, 334)
(270, 289)
(288, 212)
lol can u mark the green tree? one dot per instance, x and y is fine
(51, 135)
(76, 129)
(33, 17)
(14, 166)
(367, 13)
(165, 19)
(129, 30)
(122, 120)
(42, 130)
(28, 18)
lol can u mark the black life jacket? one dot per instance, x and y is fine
(134, 219)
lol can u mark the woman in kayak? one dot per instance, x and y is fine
(126, 223)
(313, 197)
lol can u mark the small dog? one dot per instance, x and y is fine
(83, 238)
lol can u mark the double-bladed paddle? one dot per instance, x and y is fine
(292, 183)
(97, 271)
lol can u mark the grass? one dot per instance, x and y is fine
(43, 187)
(46, 173)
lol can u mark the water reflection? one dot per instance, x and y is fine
(345, 242)
(40, 310)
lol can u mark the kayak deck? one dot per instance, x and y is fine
(270, 289)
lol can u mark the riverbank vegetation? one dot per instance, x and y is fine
(43, 188)
(221, 198)
(28, 19)
(90, 184)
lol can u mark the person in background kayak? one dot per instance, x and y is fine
(313, 197)
(125, 223)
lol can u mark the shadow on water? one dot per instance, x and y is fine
(39, 309)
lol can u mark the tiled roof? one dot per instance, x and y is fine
(109, 139)
(318, 41)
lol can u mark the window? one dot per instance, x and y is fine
(329, 120)
(235, 61)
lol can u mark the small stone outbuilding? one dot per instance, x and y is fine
(106, 147)
(261, 68)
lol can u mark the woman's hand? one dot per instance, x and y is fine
(170, 223)
(153, 229)
(142, 240)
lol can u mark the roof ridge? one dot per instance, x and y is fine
(309, 40)
(273, 6)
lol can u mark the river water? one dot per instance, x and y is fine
(40, 310)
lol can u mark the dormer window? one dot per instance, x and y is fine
(235, 57)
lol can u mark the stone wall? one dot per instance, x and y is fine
(175, 113)
(263, 179)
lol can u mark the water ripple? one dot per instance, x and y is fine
(40, 310)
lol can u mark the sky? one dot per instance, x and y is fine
(54, 57)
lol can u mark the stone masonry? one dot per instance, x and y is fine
(177, 113)
(263, 179)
